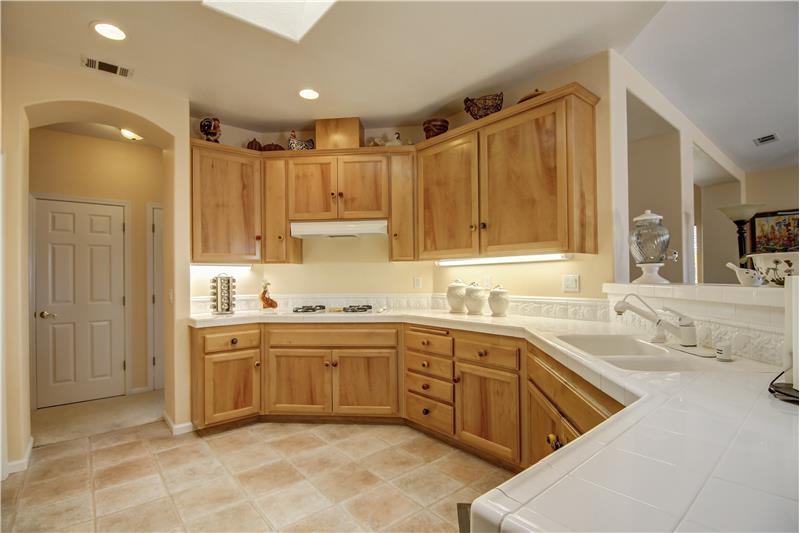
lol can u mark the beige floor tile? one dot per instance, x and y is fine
(297, 444)
(393, 434)
(237, 517)
(249, 457)
(344, 482)
(269, 478)
(291, 504)
(426, 448)
(337, 432)
(361, 446)
(7, 519)
(184, 455)
(167, 442)
(207, 497)
(332, 519)
(10, 490)
(154, 429)
(62, 449)
(390, 463)
(124, 472)
(67, 465)
(233, 441)
(57, 515)
(119, 497)
(157, 515)
(118, 453)
(463, 467)
(276, 430)
(192, 474)
(446, 507)
(49, 491)
(318, 462)
(81, 527)
(496, 477)
(425, 485)
(380, 507)
(112, 438)
(422, 522)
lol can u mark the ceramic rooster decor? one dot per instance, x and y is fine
(296, 144)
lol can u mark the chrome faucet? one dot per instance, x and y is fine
(685, 330)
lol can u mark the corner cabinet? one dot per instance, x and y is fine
(226, 207)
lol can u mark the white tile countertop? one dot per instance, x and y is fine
(708, 449)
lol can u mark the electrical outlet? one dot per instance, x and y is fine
(417, 282)
(487, 281)
(570, 283)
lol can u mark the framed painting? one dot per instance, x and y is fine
(775, 231)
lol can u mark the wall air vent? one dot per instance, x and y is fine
(96, 64)
(766, 139)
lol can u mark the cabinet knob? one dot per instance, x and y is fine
(394, 235)
(457, 379)
(258, 364)
(258, 237)
(472, 227)
(425, 386)
(426, 411)
(482, 353)
(333, 194)
(335, 364)
(553, 441)
(425, 364)
(234, 341)
(280, 237)
(327, 363)
(484, 225)
(426, 342)
(341, 194)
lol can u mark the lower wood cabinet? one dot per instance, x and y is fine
(548, 430)
(299, 381)
(232, 385)
(487, 410)
(364, 382)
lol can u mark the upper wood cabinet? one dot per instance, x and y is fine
(279, 246)
(312, 188)
(401, 222)
(447, 177)
(226, 207)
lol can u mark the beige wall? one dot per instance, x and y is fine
(654, 183)
(777, 188)
(80, 166)
(719, 243)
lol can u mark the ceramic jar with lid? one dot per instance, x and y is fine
(475, 299)
(455, 296)
(498, 301)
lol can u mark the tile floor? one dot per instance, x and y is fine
(262, 477)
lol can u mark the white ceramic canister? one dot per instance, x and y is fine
(475, 299)
(498, 301)
(456, 292)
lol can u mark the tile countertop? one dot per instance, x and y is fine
(708, 449)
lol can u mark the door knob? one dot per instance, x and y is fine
(47, 314)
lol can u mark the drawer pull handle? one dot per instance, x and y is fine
(426, 411)
(234, 341)
(258, 364)
(425, 364)
(425, 386)
(553, 441)
(482, 353)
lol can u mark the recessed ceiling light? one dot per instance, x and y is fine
(309, 94)
(128, 134)
(109, 31)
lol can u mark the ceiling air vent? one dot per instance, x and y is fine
(766, 139)
(96, 64)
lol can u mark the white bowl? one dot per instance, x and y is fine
(775, 266)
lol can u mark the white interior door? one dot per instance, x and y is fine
(157, 300)
(80, 315)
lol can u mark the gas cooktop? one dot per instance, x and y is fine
(364, 308)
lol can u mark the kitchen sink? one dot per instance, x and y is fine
(649, 363)
(604, 345)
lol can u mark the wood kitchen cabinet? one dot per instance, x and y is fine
(279, 245)
(232, 385)
(447, 217)
(401, 222)
(487, 410)
(364, 381)
(544, 426)
(363, 186)
(226, 206)
(299, 381)
(312, 188)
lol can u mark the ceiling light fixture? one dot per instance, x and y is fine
(109, 31)
(131, 136)
(309, 94)
(503, 260)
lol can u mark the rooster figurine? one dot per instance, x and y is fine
(296, 144)
(266, 301)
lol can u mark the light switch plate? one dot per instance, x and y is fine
(417, 282)
(571, 283)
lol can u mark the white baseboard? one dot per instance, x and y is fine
(19, 465)
(178, 429)
(139, 390)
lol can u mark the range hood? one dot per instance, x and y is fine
(340, 228)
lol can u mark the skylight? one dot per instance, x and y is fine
(289, 19)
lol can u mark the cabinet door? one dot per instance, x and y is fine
(544, 423)
(365, 382)
(363, 186)
(299, 381)
(447, 185)
(487, 410)
(401, 220)
(524, 182)
(312, 188)
(232, 385)
(279, 246)
(226, 207)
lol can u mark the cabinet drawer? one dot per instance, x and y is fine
(428, 364)
(489, 353)
(429, 413)
(231, 340)
(333, 337)
(429, 343)
(428, 386)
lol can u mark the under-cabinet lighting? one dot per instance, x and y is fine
(210, 271)
(131, 136)
(538, 258)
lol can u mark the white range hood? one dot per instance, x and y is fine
(340, 228)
